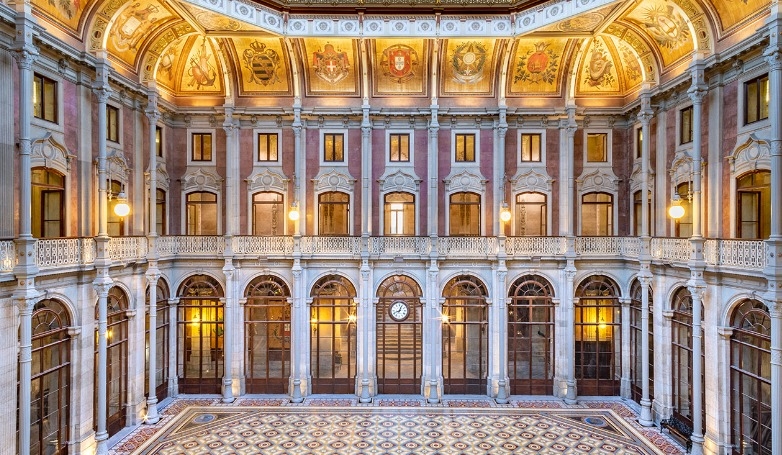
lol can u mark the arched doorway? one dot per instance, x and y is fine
(465, 337)
(333, 335)
(399, 335)
(116, 361)
(598, 337)
(51, 371)
(681, 359)
(636, 342)
(531, 336)
(200, 333)
(267, 331)
(162, 332)
(750, 379)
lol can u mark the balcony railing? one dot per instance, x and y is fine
(671, 249)
(399, 246)
(262, 246)
(471, 247)
(746, 254)
(64, 252)
(69, 252)
(7, 256)
(191, 246)
(535, 246)
(127, 248)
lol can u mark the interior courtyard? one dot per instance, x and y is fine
(391, 226)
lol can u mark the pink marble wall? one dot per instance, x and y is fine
(487, 170)
(176, 163)
(730, 121)
(420, 157)
(621, 163)
(355, 161)
(378, 144)
(312, 157)
(553, 157)
(443, 169)
(246, 160)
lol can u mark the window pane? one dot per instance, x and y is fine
(268, 214)
(333, 214)
(465, 148)
(159, 140)
(112, 123)
(685, 124)
(597, 214)
(530, 147)
(764, 97)
(597, 151)
(399, 214)
(267, 147)
(333, 145)
(465, 214)
(531, 214)
(399, 147)
(752, 102)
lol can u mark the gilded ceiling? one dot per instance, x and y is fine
(590, 48)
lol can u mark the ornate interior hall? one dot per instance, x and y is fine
(261, 203)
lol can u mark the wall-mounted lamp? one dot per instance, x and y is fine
(293, 213)
(505, 214)
(676, 210)
(121, 208)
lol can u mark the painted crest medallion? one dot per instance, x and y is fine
(399, 62)
(330, 64)
(262, 62)
(468, 60)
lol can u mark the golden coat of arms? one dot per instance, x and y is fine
(399, 62)
(331, 65)
(467, 62)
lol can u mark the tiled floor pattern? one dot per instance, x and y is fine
(342, 426)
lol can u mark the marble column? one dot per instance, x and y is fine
(645, 258)
(697, 264)
(567, 221)
(25, 271)
(103, 281)
(153, 273)
(230, 333)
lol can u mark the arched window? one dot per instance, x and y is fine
(597, 214)
(681, 358)
(200, 333)
(333, 335)
(399, 335)
(531, 336)
(48, 203)
(115, 224)
(636, 342)
(465, 214)
(753, 205)
(598, 334)
(465, 338)
(333, 213)
(268, 213)
(750, 379)
(399, 214)
(162, 330)
(683, 225)
(201, 213)
(51, 371)
(116, 361)
(267, 331)
(531, 214)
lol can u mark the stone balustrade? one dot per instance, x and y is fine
(68, 252)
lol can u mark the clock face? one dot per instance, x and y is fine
(399, 311)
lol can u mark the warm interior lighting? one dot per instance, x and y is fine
(121, 208)
(293, 214)
(504, 213)
(676, 210)
(195, 320)
(444, 318)
(352, 319)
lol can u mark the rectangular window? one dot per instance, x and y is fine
(44, 98)
(756, 99)
(112, 124)
(685, 125)
(639, 142)
(267, 146)
(202, 147)
(334, 147)
(597, 147)
(530, 147)
(465, 148)
(399, 147)
(159, 140)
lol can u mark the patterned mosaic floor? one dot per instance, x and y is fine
(340, 426)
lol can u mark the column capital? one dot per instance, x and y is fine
(103, 92)
(773, 56)
(25, 56)
(725, 332)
